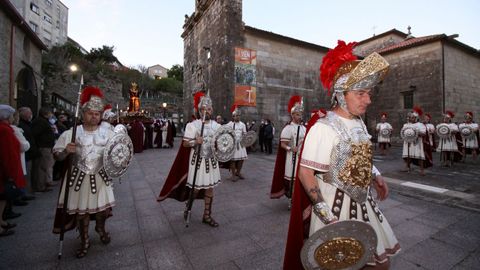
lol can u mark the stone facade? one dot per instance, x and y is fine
(285, 67)
(462, 82)
(216, 28)
(20, 60)
(157, 72)
(434, 72)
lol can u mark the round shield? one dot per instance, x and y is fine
(117, 155)
(248, 139)
(223, 144)
(466, 132)
(345, 244)
(386, 132)
(409, 134)
(443, 131)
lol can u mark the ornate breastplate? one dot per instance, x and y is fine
(89, 155)
(351, 159)
(206, 150)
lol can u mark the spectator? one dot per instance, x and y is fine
(11, 175)
(261, 135)
(45, 138)
(24, 146)
(25, 124)
(268, 137)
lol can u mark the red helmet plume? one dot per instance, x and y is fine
(450, 114)
(418, 110)
(88, 92)
(470, 114)
(333, 60)
(383, 114)
(107, 107)
(428, 115)
(197, 98)
(293, 100)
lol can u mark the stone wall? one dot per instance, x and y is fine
(216, 25)
(285, 67)
(462, 82)
(26, 55)
(377, 43)
(418, 69)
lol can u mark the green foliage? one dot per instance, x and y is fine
(103, 54)
(168, 85)
(176, 72)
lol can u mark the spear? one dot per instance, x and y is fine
(69, 173)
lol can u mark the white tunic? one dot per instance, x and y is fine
(472, 141)
(164, 129)
(240, 129)
(319, 143)
(414, 149)
(208, 173)
(449, 144)
(94, 193)
(289, 135)
(383, 126)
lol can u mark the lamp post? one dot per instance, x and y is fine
(164, 105)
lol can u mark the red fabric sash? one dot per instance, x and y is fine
(299, 227)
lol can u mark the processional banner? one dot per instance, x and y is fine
(245, 77)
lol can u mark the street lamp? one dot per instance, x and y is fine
(164, 105)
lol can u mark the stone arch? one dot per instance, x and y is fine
(27, 90)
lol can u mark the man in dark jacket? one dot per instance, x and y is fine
(45, 138)
(268, 137)
(261, 135)
(25, 124)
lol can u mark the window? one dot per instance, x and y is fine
(34, 26)
(58, 24)
(48, 2)
(47, 18)
(408, 100)
(34, 8)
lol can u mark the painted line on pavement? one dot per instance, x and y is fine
(424, 187)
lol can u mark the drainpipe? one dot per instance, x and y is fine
(12, 50)
(443, 77)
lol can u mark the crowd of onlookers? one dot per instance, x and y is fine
(27, 167)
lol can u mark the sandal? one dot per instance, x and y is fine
(100, 227)
(207, 218)
(83, 221)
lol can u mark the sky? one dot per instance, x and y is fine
(147, 32)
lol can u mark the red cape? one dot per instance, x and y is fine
(10, 162)
(299, 227)
(278, 181)
(175, 185)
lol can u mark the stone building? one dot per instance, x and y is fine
(215, 38)
(47, 18)
(260, 70)
(20, 60)
(157, 72)
(435, 72)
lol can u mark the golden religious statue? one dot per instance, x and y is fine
(134, 105)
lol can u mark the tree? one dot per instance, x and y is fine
(176, 72)
(169, 85)
(104, 55)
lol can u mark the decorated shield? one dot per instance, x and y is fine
(409, 133)
(117, 153)
(443, 131)
(386, 132)
(345, 244)
(223, 144)
(248, 139)
(466, 132)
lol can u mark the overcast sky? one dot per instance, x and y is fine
(147, 32)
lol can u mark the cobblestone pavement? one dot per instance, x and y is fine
(252, 233)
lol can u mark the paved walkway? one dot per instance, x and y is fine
(252, 233)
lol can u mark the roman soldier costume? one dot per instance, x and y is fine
(413, 134)
(240, 153)
(195, 169)
(384, 132)
(339, 151)
(447, 144)
(89, 179)
(287, 161)
(469, 133)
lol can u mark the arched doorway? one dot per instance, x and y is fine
(27, 93)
